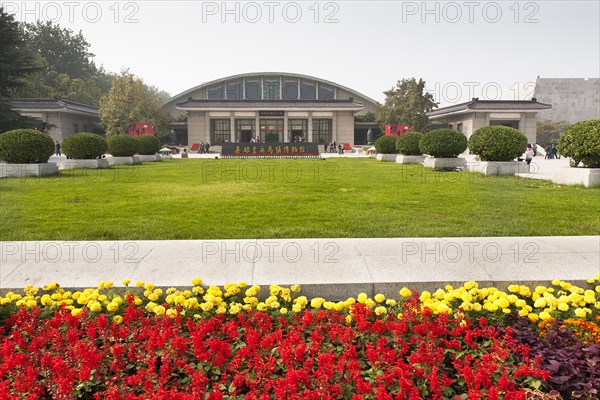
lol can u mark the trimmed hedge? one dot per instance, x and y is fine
(497, 143)
(386, 145)
(581, 142)
(443, 143)
(25, 146)
(149, 144)
(122, 145)
(408, 143)
(84, 146)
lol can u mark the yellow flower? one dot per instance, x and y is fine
(563, 307)
(317, 302)
(198, 290)
(533, 317)
(76, 311)
(112, 307)
(580, 312)
(544, 316)
(261, 306)
(348, 319)
(159, 310)
(370, 303)
(380, 298)
(295, 288)
(152, 297)
(390, 302)
(95, 307)
(362, 298)
(283, 310)
(126, 282)
(405, 292)
(196, 281)
(117, 320)
(380, 310)
(139, 284)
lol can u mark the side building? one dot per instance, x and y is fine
(271, 106)
(573, 99)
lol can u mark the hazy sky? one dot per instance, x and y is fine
(458, 48)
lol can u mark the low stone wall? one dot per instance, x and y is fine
(587, 177)
(21, 170)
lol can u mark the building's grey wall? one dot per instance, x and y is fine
(64, 123)
(528, 125)
(344, 127)
(573, 99)
(198, 130)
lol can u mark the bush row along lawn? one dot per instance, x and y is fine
(234, 342)
(229, 199)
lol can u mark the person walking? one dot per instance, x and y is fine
(529, 156)
(57, 149)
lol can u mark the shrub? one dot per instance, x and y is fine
(149, 144)
(386, 145)
(25, 146)
(84, 146)
(408, 143)
(122, 145)
(497, 143)
(581, 142)
(443, 143)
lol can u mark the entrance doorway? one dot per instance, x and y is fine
(297, 135)
(246, 135)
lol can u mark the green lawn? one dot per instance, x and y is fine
(217, 199)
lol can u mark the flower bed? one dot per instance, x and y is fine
(231, 343)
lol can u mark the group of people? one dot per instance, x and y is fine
(334, 147)
(204, 147)
(551, 152)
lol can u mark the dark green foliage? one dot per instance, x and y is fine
(386, 145)
(443, 143)
(548, 132)
(497, 143)
(149, 144)
(408, 143)
(84, 146)
(25, 146)
(122, 145)
(581, 142)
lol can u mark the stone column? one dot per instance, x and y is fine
(310, 127)
(286, 135)
(233, 133)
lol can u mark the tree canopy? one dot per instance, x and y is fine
(406, 103)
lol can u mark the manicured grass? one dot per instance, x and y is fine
(217, 199)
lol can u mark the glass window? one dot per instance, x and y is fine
(459, 127)
(234, 91)
(216, 93)
(75, 128)
(325, 93)
(307, 91)
(322, 131)
(253, 90)
(271, 90)
(290, 90)
(271, 130)
(220, 131)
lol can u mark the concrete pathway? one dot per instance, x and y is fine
(331, 268)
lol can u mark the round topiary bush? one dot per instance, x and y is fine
(386, 145)
(149, 144)
(408, 143)
(581, 142)
(497, 143)
(443, 143)
(84, 146)
(25, 146)
(122, 145)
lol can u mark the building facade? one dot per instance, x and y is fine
(470, 116)
(270, 107)
(64, 117)
(573, 99)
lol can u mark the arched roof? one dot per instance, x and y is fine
(184, 95)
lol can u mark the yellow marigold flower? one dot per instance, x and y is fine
(117, 320)
(328, 305)
(563, 306)
(275, 289)
(380, 298)
(380, 310)
(317, 302)
(112, 307)
(207, 306)
(150, 306)
(126, 282)
(442, 308)
(506, 310)
(138, 301)
(400, 315)
(533, 317)
(540, 303)
(477, 307)
(513, 288)
(302, 300)
(107, 285)
(471, 285)
(283, 310)
(466, 306)
(425, 295)
(171, 312)
(405, 292)
(139, 284)
(149, 286)
(286, 294)
(261, 306)
(370, 303)
(196, 281)
(159, 310)
(76, 311)
(556, 282)
(523, 313)
(349, 300)
(296, 308)
(348, 319)
(466, 297)
(449, 288)
(197, 290)
(95, 307)
(544, 316)
(580, 312)
(253, 291)
(520, 303)
(540, 289)
(82, 300)
(362, 298)
(152, 297)
(295, 288)
(390, 302)
(221, 310)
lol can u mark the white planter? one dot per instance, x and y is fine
(577, 176)
(99, 163)
(386, 157)
(402, 159)
(432, 162)
(499, 167)
(20, 170)
(136, 160)
(149, 157)
(120, 160)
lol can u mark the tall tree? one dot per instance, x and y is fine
(406, 104)
(549, 131)
(130, 100)
(15, 63)
(66, 52)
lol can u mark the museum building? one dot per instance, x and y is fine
(270, 107)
